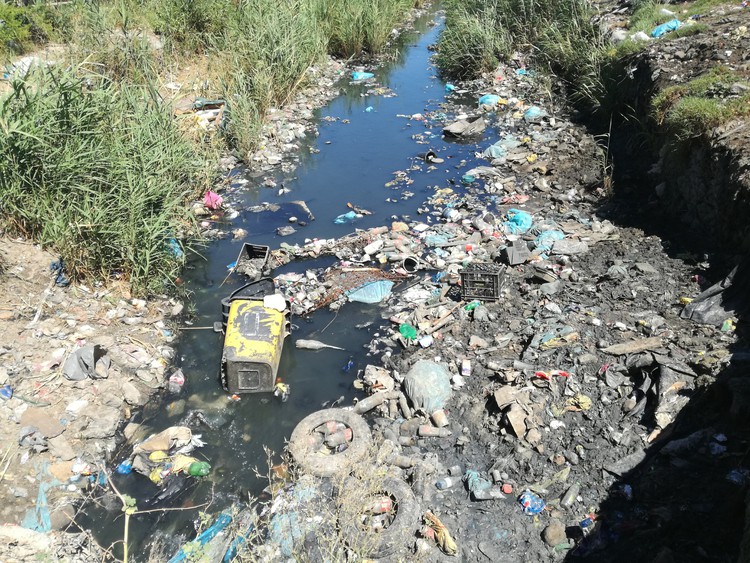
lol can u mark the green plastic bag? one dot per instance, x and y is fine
(408, 331)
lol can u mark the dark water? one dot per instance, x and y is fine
(354, 162)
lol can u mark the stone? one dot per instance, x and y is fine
(43, 419)
(37, 542)
(533, 436)
(131, 394)
(76, 405)
(59, 446)
(477, 342)
(554, 533)
(130, 430)
(645, 268)
(102, 421)
(62, 470)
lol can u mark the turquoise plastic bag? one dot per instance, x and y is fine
(518, 223)
(489, 100)
(665, 28)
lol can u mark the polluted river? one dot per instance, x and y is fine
(551, 332)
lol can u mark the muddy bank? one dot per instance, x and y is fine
(700, 178)
(560, 376)
(60, 432)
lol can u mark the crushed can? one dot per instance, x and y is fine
(532, 504)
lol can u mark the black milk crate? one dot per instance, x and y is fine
(252, 261)
(482, 280)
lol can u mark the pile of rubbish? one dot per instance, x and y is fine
(164, 458)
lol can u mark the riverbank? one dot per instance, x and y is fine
(587, 382)
(69, 429)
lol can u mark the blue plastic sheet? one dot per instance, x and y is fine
(187, 550)
(518, 223)
(373, 292)
(665, 28)
(38, 518)
(356, 75)
(501, 148)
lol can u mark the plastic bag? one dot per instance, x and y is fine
(428, 385)
(518, 223)
(665, 28)
(489, 100)
(373, 292)
(347, 217)
(534, 114)
(357, 75)
(501, 148)
(546, 239)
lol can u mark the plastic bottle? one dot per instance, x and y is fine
(339, 438)
(446, 483)
(124, 467)
(570, 495)
(176, 381)
(487, 494)
(427, 430)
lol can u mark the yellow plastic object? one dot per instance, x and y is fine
(252, 347)
(158, 456)
(182, 462)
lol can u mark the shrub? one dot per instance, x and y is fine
(100, 175)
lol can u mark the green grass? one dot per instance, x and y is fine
(481, 33)
(92, 162)
(648, 14)
(24, 27)
(100, 175)
(695, 107)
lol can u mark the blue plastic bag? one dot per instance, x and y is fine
(489, 100)
(501, 148)
(356, 75)
(449, 87)
(534, 113)
(347, 217)
(518, 223)
(546, 239)
(665, 28)
(371, 292)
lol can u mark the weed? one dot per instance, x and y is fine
(693, 108)
(13, 32)
(100, 174)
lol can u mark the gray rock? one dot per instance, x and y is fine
(59, 446)
(102, 421)
(645, 268)
(131, 394)
(554, 533)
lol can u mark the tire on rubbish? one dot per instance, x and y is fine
(383, 543)
(305, 451)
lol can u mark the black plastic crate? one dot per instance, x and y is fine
(482, 280)
(252, 261)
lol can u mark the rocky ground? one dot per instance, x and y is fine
(60, 432)
(636, 444)
(582, 383)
